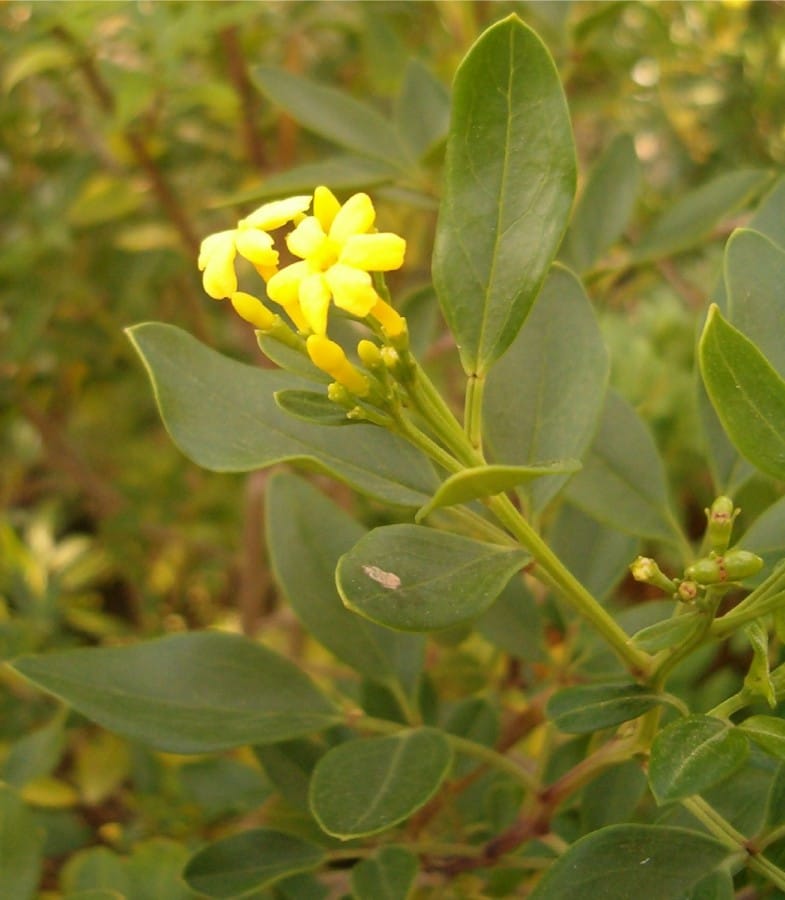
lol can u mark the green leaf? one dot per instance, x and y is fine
(693, 754)
(41, 56)
(514, 623)
(544, 397)
(223, 416)
(311, 406)
(746, 392)
(332, 114)
(418, 579)
(605, 205)
(668, 632)
(155, 869)
(623, 861)
(300, 521)
(249, 861)
(775, 801)
(36, 754)
(341, 173)
(717, 886)
(768, 732)
(485, 481)
(366, 786)
(754, 275)
(590, 707)
(21, 848)
(690, 220)
(422, 111)
(388, 875)
(769, 217)
(509, 184)
(766, 535)
(187, 693)
(622, 482)
(612, 796)
(97, 868)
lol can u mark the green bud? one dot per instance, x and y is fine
(720, 517)
(646, 570)
(687, 591)
(733, 566)
(338, 394)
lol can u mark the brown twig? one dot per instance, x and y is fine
(254, 580)
(249, 98)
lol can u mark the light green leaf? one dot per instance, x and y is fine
(746, 392)
(717, 886)
(509, 184)
(590, 707)
(249, 861)
(300, 519)
(623, 861)
(97, 869)
(668, 632)
(769, 217)
(544, 397)
(311, 406)
(693, 217)
(768, 732)
(332, 114)
(422, 111)
(155, 868)
(485, 481)
(622, 482)
(418, 579)
(223, 416)
(366, 786)
(605, 205)
(388, 875)
(187, 693)
(35, 754)
(21, 848)
(692, 754)
(42, 56)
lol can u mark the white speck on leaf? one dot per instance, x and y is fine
(644, 861)
(386, 579)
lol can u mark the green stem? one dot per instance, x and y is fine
(472, 421)
(771, 837)
(715, 823)
(765, 867)
(731, 705)
(742, 614)
(571, 589)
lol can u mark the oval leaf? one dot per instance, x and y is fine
(366, 786)
(623, 861)
(509, 184)
(389, 875)
(587, 708)
(692, 754)
(768, 732)
(746, 392)
(485, 481)
(669, 632)
(311, 406)
(299, 516)
(21, 848)
(223, 416)
(249, 861)
(417, 579)
(187, 693)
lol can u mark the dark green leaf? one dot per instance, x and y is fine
(624, 861)
(417, 579)
(693, 754)
(622, 481)
(485, 481)
(717, 886)
(768, 732)
(746, 392)
(332, 114)
(509, 183)
(388, 875)
(366, 786)
(586, 708)
(694, 216)
(613, 796)
(668, 632)
(21, 844)
(223, 416)
(311, 406)
(544, 397)
(514, 623)
(187, 693)
(605, 205)
(300, 521)
(248, 861)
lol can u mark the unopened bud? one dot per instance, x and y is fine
(647, 571)
(687, 591)
(720, 517)
(732, 566)
(369, 354)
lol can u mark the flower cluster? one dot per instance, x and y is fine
(336, 249)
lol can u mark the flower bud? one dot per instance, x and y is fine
(687, 591)
(720, 517)
(646, 570)
(733, 566)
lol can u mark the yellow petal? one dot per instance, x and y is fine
(374, 252)
(351, 289)
(219, 278)
(252, 310)
(325, 206)
(356, 216)
(256, 246)
(390, 320)
(307, 239)
(284, 286)
(219, 242)
(315, 301)
(273, 215)
(329, 357)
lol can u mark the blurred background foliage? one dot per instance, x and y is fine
(129, 130)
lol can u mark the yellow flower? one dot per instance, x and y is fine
(329, 357)
(250, 239)
(337, 250)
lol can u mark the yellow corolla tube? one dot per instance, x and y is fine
(329, 357)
